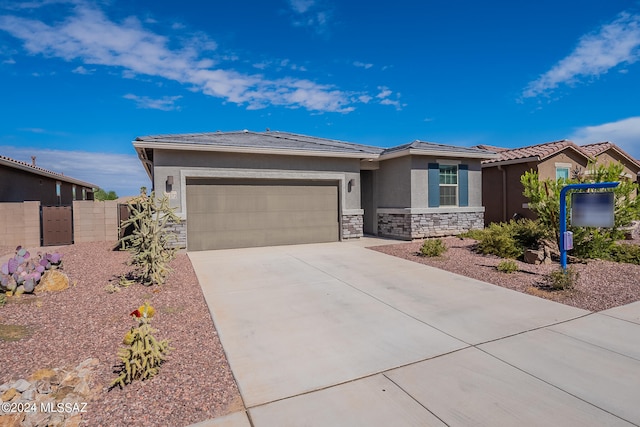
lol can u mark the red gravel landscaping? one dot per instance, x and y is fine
(601, 284)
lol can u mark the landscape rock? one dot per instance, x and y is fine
(65, 385)
(533, 256)
(52, 281)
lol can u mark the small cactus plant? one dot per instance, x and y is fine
(144, 354)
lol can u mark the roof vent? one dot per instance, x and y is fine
(245, 131)
(33, 160)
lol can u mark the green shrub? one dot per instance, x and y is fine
(433, 248)
(507, 266)
(625, 253)
(592, 243)
(563, 280)
(509, 239)
(498, 239)
(472, 234)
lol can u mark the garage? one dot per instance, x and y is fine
(235, 213)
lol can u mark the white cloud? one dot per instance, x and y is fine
(384, 92)
(9, 61)
(301, 6)
(624, 133)
(82, 70)
(122, 173)
(166, 103)
(384, 95)
(613, 44)
(308, 13)
(90, 36)
(362, 65)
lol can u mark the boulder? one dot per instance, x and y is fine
(533, 256)
(53, 280)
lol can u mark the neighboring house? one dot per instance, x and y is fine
(501, 186)
(243, 189)
(20, 181)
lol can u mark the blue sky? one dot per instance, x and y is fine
(79, 80)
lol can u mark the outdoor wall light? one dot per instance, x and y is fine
(169, 183)
(351, 184)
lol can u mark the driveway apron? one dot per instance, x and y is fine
(337, 334)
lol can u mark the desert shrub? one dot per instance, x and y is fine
(625, 253)
(508, 239)
(433, 248)
(562, 280)
(592, 243)
(507, 266)
(498, 239)
(528, 233)
(472, 234)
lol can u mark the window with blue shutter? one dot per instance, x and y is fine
(434, 185)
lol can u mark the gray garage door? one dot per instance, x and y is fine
(238, 214)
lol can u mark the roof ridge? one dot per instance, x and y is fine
(23, 163)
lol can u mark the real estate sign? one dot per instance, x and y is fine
(592, 209)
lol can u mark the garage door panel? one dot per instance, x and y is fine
(233, 216)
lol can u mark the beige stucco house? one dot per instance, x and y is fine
(244, 189)
(501, 186)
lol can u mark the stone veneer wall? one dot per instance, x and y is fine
(417, 226)
(180, 229)
(352, 226)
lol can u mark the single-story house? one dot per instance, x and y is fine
(21, 181)
(501, 187)
(244, 189)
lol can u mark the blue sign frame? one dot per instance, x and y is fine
(563, 213)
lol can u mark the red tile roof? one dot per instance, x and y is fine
(538, 152)
(600, 147)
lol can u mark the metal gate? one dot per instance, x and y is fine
(56, 225)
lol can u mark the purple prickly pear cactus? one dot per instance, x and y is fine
(54, 258)
(5, 268)
(13, 265)
(29, 285)
(41, 268)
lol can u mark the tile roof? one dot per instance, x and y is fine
(18, 164)
(263, 140)
(439, 148)
(492, 148)
(597, 148)
(600, 147)
(539, 152)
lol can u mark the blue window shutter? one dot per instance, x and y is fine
(434, 185)
(463, 185)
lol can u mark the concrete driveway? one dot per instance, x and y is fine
(339, 335)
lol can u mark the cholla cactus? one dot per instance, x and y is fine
(150, 243)
(142, 357)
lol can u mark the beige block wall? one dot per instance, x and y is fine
(95, 221)
(20, 224)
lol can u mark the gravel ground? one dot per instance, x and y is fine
(84, 321)
(601, 284)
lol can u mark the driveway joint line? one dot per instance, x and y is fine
(415, 400)
(555, 386)
(594, 345)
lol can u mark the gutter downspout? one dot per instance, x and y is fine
(504, 192)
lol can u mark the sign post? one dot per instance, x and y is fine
(566, 239)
